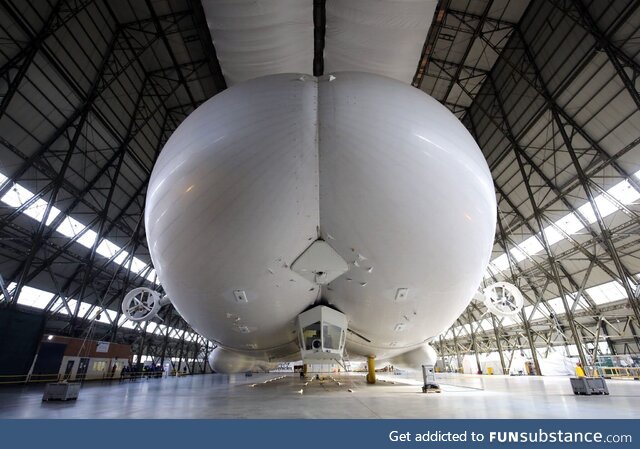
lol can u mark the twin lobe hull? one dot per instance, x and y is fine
(383, 173)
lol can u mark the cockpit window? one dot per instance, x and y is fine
(331, 336)
(312, 337)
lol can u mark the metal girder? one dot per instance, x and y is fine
(207, 43)
(497, 331)
(476, 32)
(26, 55)
(586, 185)
(118, 155)
(538, 218)
(96, 113)
(429, 44)
(61, 173)
(97, 90)
(161, 140)
(616, 55)
(172, 55)
(523, 316)
(105, 212)
(549, 184)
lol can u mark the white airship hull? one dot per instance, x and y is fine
(383, 173)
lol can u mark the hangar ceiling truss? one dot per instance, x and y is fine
(557, 119)
(90, 90)
(89, 93)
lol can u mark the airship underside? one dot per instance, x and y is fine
(351, 190)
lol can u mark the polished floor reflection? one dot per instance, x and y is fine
(341, 396)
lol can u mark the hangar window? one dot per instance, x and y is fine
(99, 366)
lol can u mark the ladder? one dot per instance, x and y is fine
(346, 364)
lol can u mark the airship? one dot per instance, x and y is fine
(294, 217)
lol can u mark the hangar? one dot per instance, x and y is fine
(91, 92)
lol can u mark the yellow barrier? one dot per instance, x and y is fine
(617, 372)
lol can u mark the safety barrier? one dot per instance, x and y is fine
(616, 372)
(14, 379)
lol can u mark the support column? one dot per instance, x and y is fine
(371, 366)
(444, 365)
(455, 346)
(499, 344)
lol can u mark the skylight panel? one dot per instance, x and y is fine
(536, 315)
(137, 265)
(556, 305)
(501, 262)
(18, 195)
(151, 276)
(624, 192)
(108, 249)
(571, 299)
(104, 316)
(485, 325)
(84, 307)
(34, 297)
(569, 224)
(37, 210)
(59, 306)
(129, 324)
(517, 254)
(605, 293)
(531, 246)
(552, 235)
(605, 207)
(71, 228)
(10, 288)
(121, 258)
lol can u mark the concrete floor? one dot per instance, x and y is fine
(269, 396)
